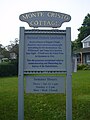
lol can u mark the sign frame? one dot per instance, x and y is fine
(54, 58)
(22, 73)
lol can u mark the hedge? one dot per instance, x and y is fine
(9, 69)
(83, 67)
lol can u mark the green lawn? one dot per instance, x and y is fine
(46, 106)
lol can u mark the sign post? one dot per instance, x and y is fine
(68, 76)
(45, 52)
(21, 77)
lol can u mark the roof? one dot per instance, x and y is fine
(86, 39)
(14, 48)
(83, 50)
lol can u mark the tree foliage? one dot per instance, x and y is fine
(84, 30)
(74, 45)
(4, 52)
(14, 48)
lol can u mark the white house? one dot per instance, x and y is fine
(86, 42)
(83, 56)
(86, 49)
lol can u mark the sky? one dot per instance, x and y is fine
(10, 10)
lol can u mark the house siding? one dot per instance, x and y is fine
(83, 55)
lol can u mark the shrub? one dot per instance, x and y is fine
(8, 69)
(87, 67)
(83, 67)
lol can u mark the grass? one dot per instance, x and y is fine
(8, 98)
(46, 106)
(81, 95)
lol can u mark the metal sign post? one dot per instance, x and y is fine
(68, 76)
(21, 77)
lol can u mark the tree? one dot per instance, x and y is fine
(84, 30)
(4, 51)
(13, 49)
(74, 45)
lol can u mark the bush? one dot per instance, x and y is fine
(8, 69)
(83, 67)
(87, 67)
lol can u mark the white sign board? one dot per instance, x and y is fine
(45, 52)
(45, 84)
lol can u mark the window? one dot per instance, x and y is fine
(88, 59)
(85, 44)
(89, 44)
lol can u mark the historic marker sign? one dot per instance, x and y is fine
(45, 51)
(45, 18)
